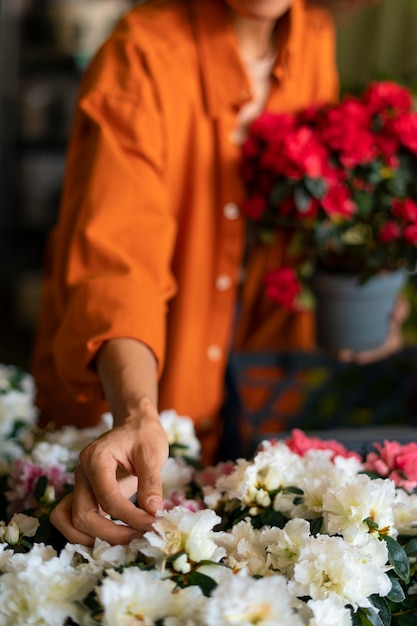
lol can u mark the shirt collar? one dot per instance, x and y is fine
(224, 80)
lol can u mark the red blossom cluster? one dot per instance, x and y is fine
(343, 177)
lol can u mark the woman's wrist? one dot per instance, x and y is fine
(128, 372)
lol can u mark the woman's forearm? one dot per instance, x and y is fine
(128, 373)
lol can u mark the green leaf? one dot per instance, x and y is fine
(315, 525)
(369, 617)
(280, 191)
(302, 198)
(316, 186)
(411, 547)
(40, 488)
(383, 609)
(397, 592)
(295, 490)
(269, 517)
(398, 558)
(206, 584)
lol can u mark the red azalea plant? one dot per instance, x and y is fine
(343, 177)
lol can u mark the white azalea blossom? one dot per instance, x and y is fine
(188, 608)
(47, 454)
(135, 597)
(287, 543)
(19, 526)
(329, 612)
(9, 452)
(180, 431)
(405, 512)
(329, 566)
(347, 508)
(247, 547)
(175, 474)
(242, 599)
(39, 588)
(182, 530)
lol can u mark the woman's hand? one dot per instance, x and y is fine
(125, 460)
(394, 341)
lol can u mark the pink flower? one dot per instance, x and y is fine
(395, 461)
(22, 481)
(208, 476)
(282, 285)
(300, 443)
(178, 498)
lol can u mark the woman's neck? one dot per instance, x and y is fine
(256, 38)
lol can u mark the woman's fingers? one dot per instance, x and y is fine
(393, 343)
(80, 518)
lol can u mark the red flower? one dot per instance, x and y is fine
(282, 286)
(254, 207)
(390, 231)
(406, 129)
(269, 125)
(346, 129)
(295, 155)
(384, 95)
(337, 202)
(410, 234)
(405, 209)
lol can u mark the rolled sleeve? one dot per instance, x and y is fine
(117, 233)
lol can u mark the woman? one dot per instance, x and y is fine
(145, 263)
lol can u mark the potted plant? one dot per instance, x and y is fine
(343, 178)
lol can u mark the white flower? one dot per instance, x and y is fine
(181, 530)
(287, 543)
(318, 473)
(405, 512)
(176, 474)
(39, 588)
(19, 526)
(274, 467)
(329, 566)
(47, 454)
(247, 547)
(188, 609)
(15, 406)
(76, 439)
(135, 597)
(5, 556)
(347, 508)
(244, 600)
(180, 430)
(9, 451)
(329, 612)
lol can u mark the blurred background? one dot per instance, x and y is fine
(44, 48)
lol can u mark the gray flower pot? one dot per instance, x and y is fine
(352, 315)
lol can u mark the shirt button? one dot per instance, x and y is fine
(223, 282)
(231, 211)
(214, 353)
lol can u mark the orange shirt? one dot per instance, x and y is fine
(150, 239)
